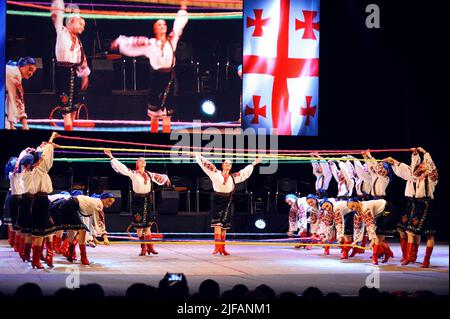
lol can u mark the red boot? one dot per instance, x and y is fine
(326, 250)
(426, 259)
(345, 250)
(216, 245)
(375, 253)
(70, 251)
(143, 247)
(222, 248)
(380, 251)
(416, 251)
(404, 247)
(11, 237)
(26, 252)
(42, 250)
(17, 239)
(49, 257)
(410, 254)
(57, 245)
(36, 262)
(22, 246)
(154, 125)
(356, 250)
(150, 248)
(84, 259)
(64, 247)
(387, 252)
(74, 255)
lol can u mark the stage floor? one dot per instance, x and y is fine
(117, 266)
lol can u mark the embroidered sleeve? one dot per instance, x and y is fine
(369, 222)
(316, 167)
(58, 14)
(83, 70)
(134, 46)
(159, 179)
(314, 221)
(208, 167)
(345, 171)
(178, 26)
(358, 230)
(293, 220)
(47, 158)
(98, 221)
(431, 167)
(326, 226)
(338, 223)
(121, 168)
(243, 174)
(302, 222)
(334, 171)
(326, 171)
(404, 171)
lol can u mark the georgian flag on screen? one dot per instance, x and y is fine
(281, 66)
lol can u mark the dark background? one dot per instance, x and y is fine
(379, 88)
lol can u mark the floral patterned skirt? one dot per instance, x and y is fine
(422, 220)
(141, 209)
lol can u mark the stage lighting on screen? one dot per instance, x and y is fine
(260, 224)
(208, 107)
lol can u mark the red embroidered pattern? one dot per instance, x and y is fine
(368, 218)
(158, 178)
(209, 165)
(337, 217)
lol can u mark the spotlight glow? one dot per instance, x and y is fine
(208, 107)
(260, 224)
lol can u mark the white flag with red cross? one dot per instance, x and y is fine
(281, 66)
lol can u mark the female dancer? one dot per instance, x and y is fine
(71, 60)
(379, 220)
(15, 104)
(422, 220)
(38, 185)
(161, 52)
(67, 214)
(142, 198)
(322, 171)
(224, 183)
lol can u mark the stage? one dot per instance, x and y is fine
(283, 268)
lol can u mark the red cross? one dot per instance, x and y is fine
(257, 111)
(281, 68)
(309, 110)
(258, 22)
(308, 25)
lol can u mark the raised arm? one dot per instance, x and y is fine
(58, 14)
(208, 167)
(160, 179)
(344, 168)
(117, 165)
(47, 158)
(132, 46)
(369, 221)
(245, 173)
(326, 171)
(334, 170)
(401, 169)
(360, 171)
(178, 26)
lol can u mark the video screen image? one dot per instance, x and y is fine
(147, 67)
